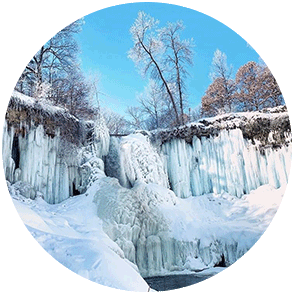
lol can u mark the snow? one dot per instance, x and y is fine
(44, 104)
(151, 227)
(231, 223)
(72, 233)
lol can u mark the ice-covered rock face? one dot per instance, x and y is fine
(45, 163)
(220, 160)
(223, 163)
(45, 146)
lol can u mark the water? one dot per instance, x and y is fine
(164, 283)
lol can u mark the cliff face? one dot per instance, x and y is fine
(42, 146)
(270, 127)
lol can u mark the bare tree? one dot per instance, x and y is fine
(196, 113)
(178, 56)
(218, 97)
(54, 59)
(152, 105)
(270, 88)
(147, 51)
(115, 122)
(136, 118)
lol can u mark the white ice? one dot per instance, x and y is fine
(225, 163)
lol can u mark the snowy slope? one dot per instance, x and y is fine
(72, 233)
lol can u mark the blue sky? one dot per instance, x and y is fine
(105, 41)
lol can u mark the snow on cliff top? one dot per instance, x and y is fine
(255, 125)
(19, 101)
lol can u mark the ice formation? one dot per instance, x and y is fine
(101, 138)
(37, 161)
(224, 163)
(189, 199)
(133, 158)
(47, 159)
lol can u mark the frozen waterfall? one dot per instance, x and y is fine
(46, 149)
(182, 198)
(36, 159)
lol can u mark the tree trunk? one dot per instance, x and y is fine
(164, 82)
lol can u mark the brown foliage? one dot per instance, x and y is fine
(257, 87)
(219, 97)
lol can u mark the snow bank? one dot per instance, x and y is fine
(72, 233)
(222, 226)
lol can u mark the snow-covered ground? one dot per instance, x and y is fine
(72, 233)
(233, 225)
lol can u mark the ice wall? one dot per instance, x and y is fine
(223, 163)
(44, 146)
(48, 164)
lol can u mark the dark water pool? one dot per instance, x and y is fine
(171, 282)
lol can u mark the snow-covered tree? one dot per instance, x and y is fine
(178, 55)
(220, 95)
(153, 52)
(219, 66)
